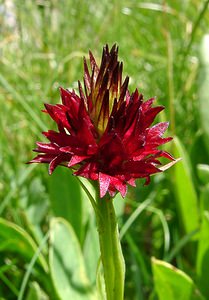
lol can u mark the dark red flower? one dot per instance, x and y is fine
(104, 132)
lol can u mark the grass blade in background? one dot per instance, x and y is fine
(67, 263)
(172, 284)
(23, 102)
(184, 189)
(15, 239)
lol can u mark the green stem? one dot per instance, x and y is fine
(110, 247)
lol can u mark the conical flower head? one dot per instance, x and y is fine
(104, 132)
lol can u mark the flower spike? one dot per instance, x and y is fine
(104, 132)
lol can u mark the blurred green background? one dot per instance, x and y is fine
(165, 49)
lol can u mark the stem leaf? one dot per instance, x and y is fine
(67, 264)
(65, 196)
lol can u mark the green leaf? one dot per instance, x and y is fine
(65, 194)
(186, 196)
(15, 239)
(204, 88)
(67, 263)
(171, 283)
(203, 255)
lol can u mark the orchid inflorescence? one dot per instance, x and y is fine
(104, 131)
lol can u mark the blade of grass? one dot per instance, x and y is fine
(134, 216)
(164, 225)
(31, 265)
(10, 285)
(23, 102)
(203, 255)
(139, 258)
(184, 189)
(186, 48)
(11, 193)
(202, 12)
(180, 244)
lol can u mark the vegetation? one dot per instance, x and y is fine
(48, 238)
